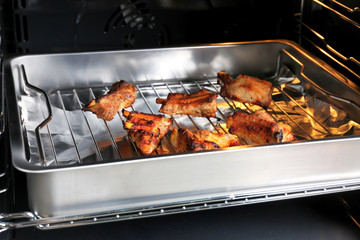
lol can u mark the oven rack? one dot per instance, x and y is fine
(349, 9)
(350, 64)
(187, 86)
(332, 50)
(30, 219)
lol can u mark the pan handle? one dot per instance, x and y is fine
(43, 123)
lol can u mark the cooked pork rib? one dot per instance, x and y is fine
(198, 104)
(146, 130)
(258, 128)
(121, 95)
(184, 140)
(245, 89)
(222, 139)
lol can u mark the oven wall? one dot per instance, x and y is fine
(68, 25)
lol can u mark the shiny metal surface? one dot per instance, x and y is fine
(138, 182)
(334, 216)
(28, 219)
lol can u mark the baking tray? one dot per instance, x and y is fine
(121, 180)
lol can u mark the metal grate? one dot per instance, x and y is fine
(336, 40)
(88, 139)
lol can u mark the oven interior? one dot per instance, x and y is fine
(329, 29)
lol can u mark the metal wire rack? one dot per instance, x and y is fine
(315, 36)
(109, 141)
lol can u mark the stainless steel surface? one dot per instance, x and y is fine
(28, 219)
(115, 177)
(46, 120)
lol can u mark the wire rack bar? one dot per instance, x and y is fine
(50, 137)
(111, 135)
(307, 113)
(349, 9)
(90, 129)
(337, 13)
(70, 128)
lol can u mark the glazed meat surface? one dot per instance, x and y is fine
(258, 128)
(121, 95)
(198, 104)
(146, 130)
(185, 141)
(245, 89)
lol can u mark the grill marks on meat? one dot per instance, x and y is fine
(185, 141)
(246, 89)
(258, 128)
(146, 130)
(198, 104)
(121, 95)
(222, 139)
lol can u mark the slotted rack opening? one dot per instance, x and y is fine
(76, 137)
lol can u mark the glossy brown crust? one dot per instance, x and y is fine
(186, 141)
(245, 89)
(121, 95)
(146, 130)
(258, 128)
(198, 104)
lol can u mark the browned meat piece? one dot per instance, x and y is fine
(287, 135)
(184, 140)
(222, 139)
(258, 128)
(245, 89)
(198, 104)
(146, 130)
(121, 95)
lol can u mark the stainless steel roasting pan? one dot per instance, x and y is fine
(77, 164)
